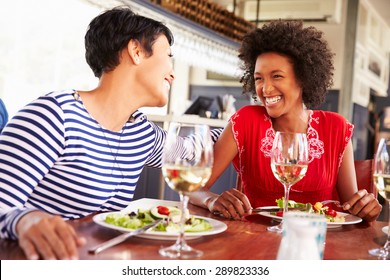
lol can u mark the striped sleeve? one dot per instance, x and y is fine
(215, 133)
(29, 145)
(156, 158)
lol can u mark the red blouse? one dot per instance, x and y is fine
(328, 135)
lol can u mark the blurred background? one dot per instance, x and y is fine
(42, 49)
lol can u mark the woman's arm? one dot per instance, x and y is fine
(359, 203)
(231, 203)
(29, 146)
(346, 180)
(155, 159)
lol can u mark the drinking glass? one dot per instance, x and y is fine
(303, 237)
(289, 162)
(382, 183)
(186, 167)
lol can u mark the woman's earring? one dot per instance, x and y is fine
(256, 99)
(254, 96)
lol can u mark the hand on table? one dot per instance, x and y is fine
(363, 205)
(46, 236)
(231, 204)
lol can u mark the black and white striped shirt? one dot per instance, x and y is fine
(55, 157)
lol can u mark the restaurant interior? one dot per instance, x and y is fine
(207, 36)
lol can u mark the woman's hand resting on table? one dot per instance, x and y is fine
(363, 205)
(46, 236)
(231, 204)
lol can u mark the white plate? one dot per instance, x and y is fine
(146, 203)
(385, 229)
(349, 219)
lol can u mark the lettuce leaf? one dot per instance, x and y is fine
(293, 204)
(144, 217)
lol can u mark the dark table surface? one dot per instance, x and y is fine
(243, 240)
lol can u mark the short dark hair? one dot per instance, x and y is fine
(110, 32)
(309, 52)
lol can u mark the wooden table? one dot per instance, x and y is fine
(243, 240)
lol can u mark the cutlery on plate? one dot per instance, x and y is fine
(269, 209)
(120, 238)
(276, 209)
(336, 202)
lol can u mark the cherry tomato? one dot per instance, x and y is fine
(174, 173)
(279, 214)
(331, 212)
(163, 210)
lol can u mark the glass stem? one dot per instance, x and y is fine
(286, 197)
(387, 244)
(183, 205)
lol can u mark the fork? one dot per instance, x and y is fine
(336, 202)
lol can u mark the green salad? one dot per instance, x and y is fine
(330, 214)
(293, 204)
(170, 220)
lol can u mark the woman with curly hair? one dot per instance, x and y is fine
(289, 68)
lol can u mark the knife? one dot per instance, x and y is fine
(276, 209)
(269, 209)
(120, 238)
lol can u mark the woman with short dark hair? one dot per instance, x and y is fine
(71, 153)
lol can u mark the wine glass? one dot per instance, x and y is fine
(289, 162)
(382, 183)
(186, 167)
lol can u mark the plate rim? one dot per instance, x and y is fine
(98, 219)
(221, 226)
(355, 221)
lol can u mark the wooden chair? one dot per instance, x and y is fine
(364, 172)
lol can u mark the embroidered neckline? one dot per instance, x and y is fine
(316, 146)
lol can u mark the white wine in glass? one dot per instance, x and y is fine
(186, 179)
(289, 174)
(382, 183)
(289, 162)
(186, 167)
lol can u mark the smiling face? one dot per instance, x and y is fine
(277, 86)
(156, 73)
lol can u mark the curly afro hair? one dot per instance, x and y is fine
(306, 47)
